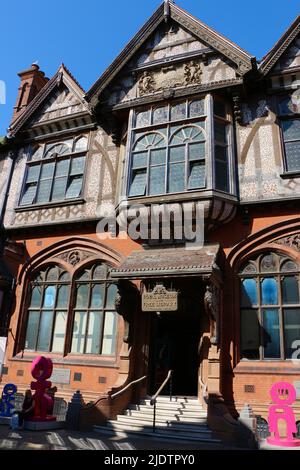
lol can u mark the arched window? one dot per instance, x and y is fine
(48, 309)
(270, 307)
(55, 172)
(94, 326)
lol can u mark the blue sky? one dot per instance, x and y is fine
(88, 34)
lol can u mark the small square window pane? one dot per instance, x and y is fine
(249, 293)
(143, 119)
(177, 154)
(197, 175)
(33, 173)
(177, 178)
(291, 129)
(111, 296)
(158, 157)
(196, 151)
(178, 111)
(82, 299)
(271, 334)
(45, 331)
(220, 132)
(59, 332)
(29, 194)
(59, 189)
(77, 166)
(94, 333)
(290, 290)
(74, 188)
(160, 115)
(79, 330)
(32, 330)
(109, 334)
(157, 180)
(44, 190)
(62, 168)
(138, 185)
(139, 160)
(292, 150)
(250, 334)
(291, 331)
(219, 108)
(62, 297)
(197, 108)
(49, 297)
(36, 297)
(47, 171)
(222, 180)
(97, 298)
(269, 291)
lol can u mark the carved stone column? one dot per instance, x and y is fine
(212, 303)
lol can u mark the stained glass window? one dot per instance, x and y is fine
(58, 175)
(270, 310)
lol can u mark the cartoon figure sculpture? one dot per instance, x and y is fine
(41, 370)
(8, 400)
(283, 394)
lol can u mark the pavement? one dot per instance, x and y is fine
(63, 439)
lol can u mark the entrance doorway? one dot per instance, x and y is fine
(174, 346)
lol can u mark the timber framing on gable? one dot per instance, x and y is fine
(63, 75)
(244, 62)
(280, 47)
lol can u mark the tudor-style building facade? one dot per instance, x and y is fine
(182, 115)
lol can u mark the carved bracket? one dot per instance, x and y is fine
(127, 303)
(212, 304)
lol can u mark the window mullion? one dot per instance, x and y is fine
(40, 316)
(38, 184)
(281, 322)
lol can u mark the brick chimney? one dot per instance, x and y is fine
(32, 81)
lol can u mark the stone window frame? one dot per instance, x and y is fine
(210, 118)
(37, 157)
(70, 309)
(251, 269)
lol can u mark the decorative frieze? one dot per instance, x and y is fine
(292, 241)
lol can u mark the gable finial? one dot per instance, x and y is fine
(167, 9)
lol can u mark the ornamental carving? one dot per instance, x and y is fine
(292, 241)
(146, 83)
(75, 256)
(127, 303)
(192, 73)
(212, 308)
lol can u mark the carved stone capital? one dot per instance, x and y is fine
(127, 302)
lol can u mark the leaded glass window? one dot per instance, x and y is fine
(48, 309)
(94, 325)
(221, 128)
(168, 149)
(270, 307)
(289, 112)
(55, 172)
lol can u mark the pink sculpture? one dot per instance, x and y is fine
(283, 394)
(41, 370)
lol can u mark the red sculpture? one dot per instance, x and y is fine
(41, 370)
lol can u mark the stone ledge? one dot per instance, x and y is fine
(43, 426)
